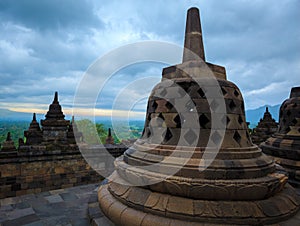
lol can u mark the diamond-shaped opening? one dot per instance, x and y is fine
(163, 92)
(169, 105)
(285, 106)
(216, 138)
(237, 137)
(288, 130)
(288, 113)
(223, 91)
(294, 121)
(154, 105)
(168, 135)
(240, 120)
(232, 105)
(177, 120)
(203, 120)
(160, 115)
(185, 86)
(190, 137)
(295, 105)
(226, 120)
(201, 93)
(284, 120)
(236, 93)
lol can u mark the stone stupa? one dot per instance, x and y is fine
(34, 133)
(266, 127)
(284, 146)
(55, 126)
(189, 170)
(8, 145)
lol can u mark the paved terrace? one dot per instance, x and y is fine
(65, 207)
(72, 206)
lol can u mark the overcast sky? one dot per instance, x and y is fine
(46, 46)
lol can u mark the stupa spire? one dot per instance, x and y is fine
(193, 36)
(109, 139)
(34, 117)
(267, 109)
(8, 137)
(55, 97)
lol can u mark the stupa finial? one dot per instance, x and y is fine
(8, 137)
(55, 97)
(267, 109)
(34, 117)
(193, 36)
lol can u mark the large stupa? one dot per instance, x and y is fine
(284, 145)
(195, 163)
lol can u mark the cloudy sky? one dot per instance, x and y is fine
(48, 45)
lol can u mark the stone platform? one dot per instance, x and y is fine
(142, 218)
(57, 207)
(73, 206)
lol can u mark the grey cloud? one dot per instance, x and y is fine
(44, 41)
(52, 14)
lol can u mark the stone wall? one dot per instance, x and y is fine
(33, 172)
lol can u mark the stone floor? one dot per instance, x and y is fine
(58, 207)
(70, 207)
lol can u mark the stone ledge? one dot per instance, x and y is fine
(264, 213)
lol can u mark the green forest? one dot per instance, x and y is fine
(124, 131)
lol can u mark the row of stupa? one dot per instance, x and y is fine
(56, 132)
(195, 163)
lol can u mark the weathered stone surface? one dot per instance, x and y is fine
(55, 126)
(196, 163)
(284, 146)
(34, 134)
(8, 145)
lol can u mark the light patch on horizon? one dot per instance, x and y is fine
(86, 112)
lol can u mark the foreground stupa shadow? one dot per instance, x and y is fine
(195, 163)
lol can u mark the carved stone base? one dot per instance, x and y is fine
(137, 206)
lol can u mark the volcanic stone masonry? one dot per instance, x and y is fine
(163, 180)
(266, 127)
(8, 145)
(284, 145)
(48, 159)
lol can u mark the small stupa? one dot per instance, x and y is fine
(189, 170)
(55, 126)
(73, 134)
(266, 127)
(284, 145)
(8, 145)
(34, 134)
(109, 139)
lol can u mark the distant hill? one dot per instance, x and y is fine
(254, 115)
(7, 115)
